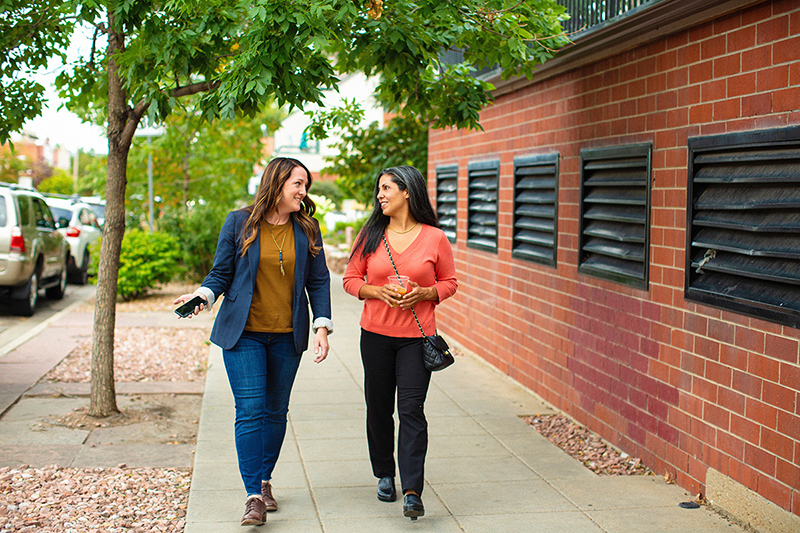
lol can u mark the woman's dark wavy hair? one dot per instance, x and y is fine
(267, 198)
(408, 179)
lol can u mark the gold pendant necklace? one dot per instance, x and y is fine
(403, 232)
(280, 248)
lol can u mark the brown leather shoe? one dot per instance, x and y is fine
(266, 495)
(255, 512)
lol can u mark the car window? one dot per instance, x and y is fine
(3, 212)
(24, 203)
(60, 213)
(93, 219)
(99, 210)
(44, 218)
(87, 217)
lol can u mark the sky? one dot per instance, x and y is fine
(59, 125)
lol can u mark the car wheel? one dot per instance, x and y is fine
(80, 276)
(57, 292)
(26, 306)
(84, 273)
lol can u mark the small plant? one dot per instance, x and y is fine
(324, 206)
(339, 234)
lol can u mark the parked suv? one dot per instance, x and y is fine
(77, 222)
(33, 254)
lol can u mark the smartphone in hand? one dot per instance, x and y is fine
(187, 308)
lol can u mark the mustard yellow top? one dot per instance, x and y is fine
(271, 310)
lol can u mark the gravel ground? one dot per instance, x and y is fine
(592, 451)
(98, 500)
(143, 354)
(111, 500)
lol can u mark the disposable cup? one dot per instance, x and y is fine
(399, 284)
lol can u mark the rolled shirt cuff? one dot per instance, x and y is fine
(209, 294)
(323, 322)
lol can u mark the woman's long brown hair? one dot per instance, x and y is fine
(268, 197)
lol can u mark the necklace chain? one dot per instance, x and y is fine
(403, 232)
(280, 248)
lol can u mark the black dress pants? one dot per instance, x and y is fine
(395, 364)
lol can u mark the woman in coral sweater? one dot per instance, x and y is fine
(391, 343)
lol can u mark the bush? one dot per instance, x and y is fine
(338, 236)
(197, 232)
(329, 190)
(58, 183)
(146, 261)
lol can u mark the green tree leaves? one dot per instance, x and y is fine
(30, 34)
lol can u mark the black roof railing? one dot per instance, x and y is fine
(587, 14)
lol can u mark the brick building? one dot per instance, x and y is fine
(627, 238)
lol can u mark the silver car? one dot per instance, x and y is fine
(77, 222)
(33, 254)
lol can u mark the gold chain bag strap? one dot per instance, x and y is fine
(435, 351)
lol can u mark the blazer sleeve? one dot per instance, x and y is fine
(220, 278)
(318, 284)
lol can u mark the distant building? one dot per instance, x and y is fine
(36, 152)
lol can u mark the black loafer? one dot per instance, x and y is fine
(412, 506)
(386, 491)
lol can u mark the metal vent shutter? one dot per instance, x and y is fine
(535, 208)
(743, 223)
(483, 180)
(615, 214)
(446, 199)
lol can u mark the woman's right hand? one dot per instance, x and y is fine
(186, 297)
(386, 293)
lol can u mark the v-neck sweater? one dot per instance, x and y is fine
(427, 261)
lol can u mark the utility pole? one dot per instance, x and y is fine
(75, 171)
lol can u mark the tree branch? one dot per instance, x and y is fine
(134, 117)
(195, 88)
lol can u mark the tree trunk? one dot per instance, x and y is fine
(103, 400)
(186, 178)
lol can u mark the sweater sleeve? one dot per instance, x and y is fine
(355, 274)
(446, 284)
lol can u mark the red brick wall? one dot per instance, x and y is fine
(682, 385)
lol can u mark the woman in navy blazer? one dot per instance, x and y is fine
(263, 323)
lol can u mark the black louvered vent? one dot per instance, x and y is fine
(536, 208)
(482, 205)
(446, 199)
(743, 223)
(615, 213)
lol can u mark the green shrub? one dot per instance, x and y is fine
(328, 189)
(197, 231)
(338, 236)
(146, 261)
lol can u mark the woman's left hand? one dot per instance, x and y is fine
(417, 294)
(321, 346)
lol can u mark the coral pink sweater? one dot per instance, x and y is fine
(428, 261)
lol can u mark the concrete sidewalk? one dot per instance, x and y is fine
(486, 470)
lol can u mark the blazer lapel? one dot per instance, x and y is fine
(300, 255)
(253, 255)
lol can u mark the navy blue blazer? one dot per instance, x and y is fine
(234, 276)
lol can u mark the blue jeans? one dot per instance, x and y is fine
(261, 369)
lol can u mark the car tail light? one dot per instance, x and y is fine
(17, 242)
(72, 231)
